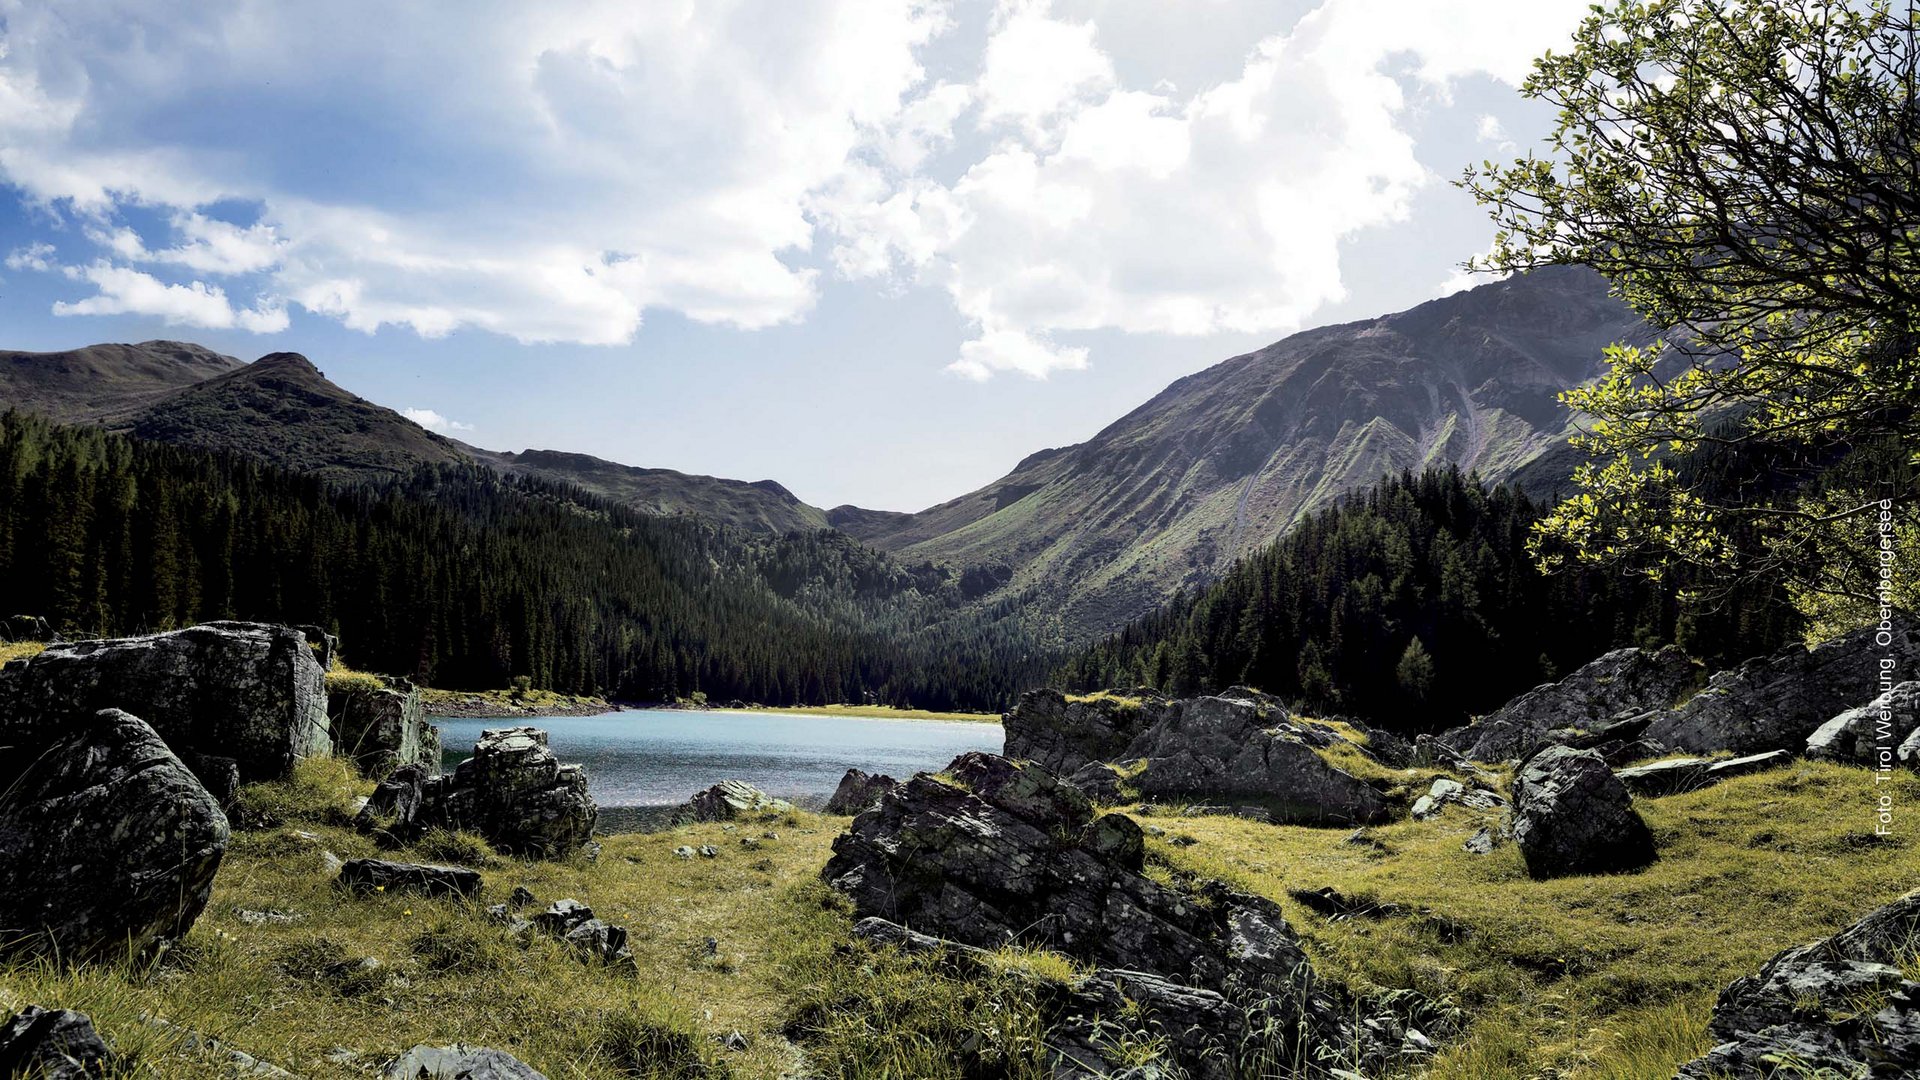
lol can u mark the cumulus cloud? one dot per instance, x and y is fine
(553, 173)
(124, 291)
(433, 421)
(35, 256)
(1103, 206)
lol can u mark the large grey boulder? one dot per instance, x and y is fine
(250, 694)
(1005, 852)
(512, 791)
(52, 1044)
(459, 1062)
(1064, 734)
(1247, 750)
(381, 724)
(1627, 681)
(1571, 815)
(1838, 1007)
(1871, 734)
(108, 844)
(1777, 702)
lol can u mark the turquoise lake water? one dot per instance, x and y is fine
(659, 757)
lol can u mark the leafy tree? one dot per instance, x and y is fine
(1745, 173)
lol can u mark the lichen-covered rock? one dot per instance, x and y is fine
(429, 879)
(857, 791)
(1005, 852)
(1871, 734)
(728, 800)
(1246, 749)
(1446, 792)
(1065, 733)
(381, 727)
(248, 692)
(512, 791)
(108, 844)
(53, 1044)
(1839, 1007)
(1777, 702)
(1571, 815)
(1627, 680)
(459, 1062)
(1676, 775)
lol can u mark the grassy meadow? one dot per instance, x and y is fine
(1609, 978)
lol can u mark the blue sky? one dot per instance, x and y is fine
(876, 251)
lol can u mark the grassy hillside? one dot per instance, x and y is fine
(1607, 978)
(100, 383)
(760, 506)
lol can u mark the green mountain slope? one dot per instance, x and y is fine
(99, 383)
(1223, 461)
(763, 505)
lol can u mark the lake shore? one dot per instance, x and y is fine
(875, 712)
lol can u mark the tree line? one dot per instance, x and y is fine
(460, 577)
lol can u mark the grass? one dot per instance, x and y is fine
(15, 650)
(1595, 978)
(1121, 701)
(1609, 977)
(885, 712)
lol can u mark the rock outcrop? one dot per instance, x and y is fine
(573, 923)
(1065, 733)
(381, 725)
(1838, 1007)
(1238, 747)
(458, 1062)
(512, 791)
(1675, 775)
(1777, 702)
(428, 879)
(1445, 792)
(1006, 852)
(858, 790)
(245, 696)
(728, 800)
(1571, 815)
(1622, 682)
(1871, 734)
(108, 844)
(52, 1044)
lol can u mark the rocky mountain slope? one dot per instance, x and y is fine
(1223, 461)
(761, 505)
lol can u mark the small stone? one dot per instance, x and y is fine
(458, 1062)
(366, 876)
(708, 851)
(1480, 843)
(684, 851)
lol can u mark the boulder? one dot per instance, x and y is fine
(1870, 734)
(1447, 792)
(458, 1062)
(1676, 775)
(591, 939)
(1623, 681)
(512, 791)
(248, 692)
(381, 726)
(1571, 815)
(1065, 733)
(1838, 1007)
(378, 875)
(728, 800)
(1004, 852)
(1247, 750)
(1777, 702)
(1100, 782)
(53, 1044)
(108, 844)
(857, 791)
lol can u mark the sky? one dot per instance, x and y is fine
(877, 251)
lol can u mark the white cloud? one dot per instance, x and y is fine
(125, 291)
(35, 256)
(433, 421)
(1107, 207)
(547, 172)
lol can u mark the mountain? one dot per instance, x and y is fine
(282, 410)
(1225, 460)
(98, 383)
(761, 505)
